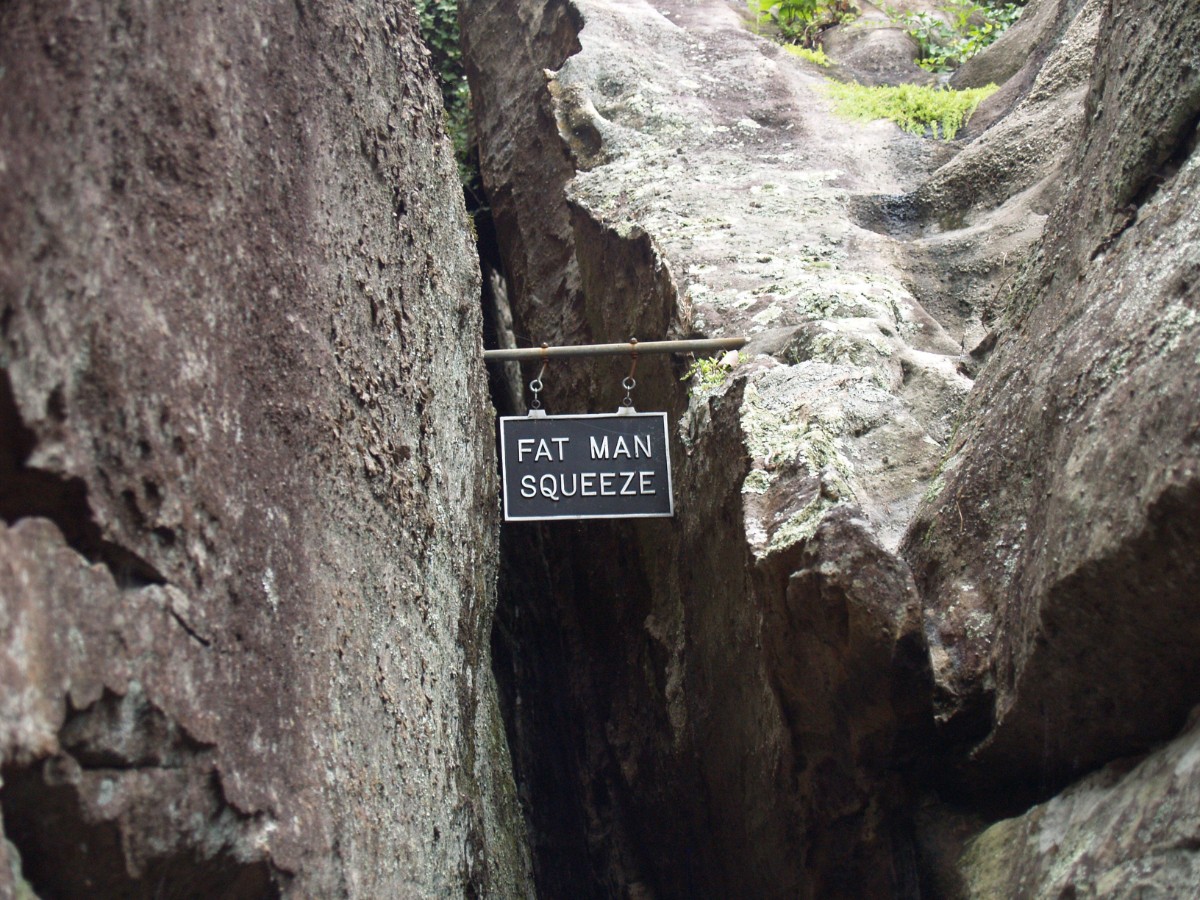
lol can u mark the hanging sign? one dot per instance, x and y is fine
(585, 467)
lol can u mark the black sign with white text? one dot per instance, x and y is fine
(585, 467)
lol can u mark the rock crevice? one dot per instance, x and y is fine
(907, 526)
(247, 487)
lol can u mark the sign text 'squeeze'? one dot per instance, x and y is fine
(586, 467)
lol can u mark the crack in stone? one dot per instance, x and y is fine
(27, 491)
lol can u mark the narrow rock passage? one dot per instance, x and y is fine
(717, 704)
(743, 701)
(723, 148)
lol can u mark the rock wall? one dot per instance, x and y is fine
(246, 475)
(1061, 609)
(717, 702)
(1129, 829)
(929, 562)
(1077, 463)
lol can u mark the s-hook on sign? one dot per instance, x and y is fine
(585, 467)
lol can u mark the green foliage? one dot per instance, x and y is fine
(439, 29)
(802, 21)
(710, 374)
(813, 55)
(971, 27)
(914, 108)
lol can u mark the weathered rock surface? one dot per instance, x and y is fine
(972, 223)
(872, 49)
(245, 598)
(1021, 50)
(526, 179)
(742, 701)
(1057, 556)
(1125, 831)
(742, 681)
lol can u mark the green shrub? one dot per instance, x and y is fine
(709, 374)
(438, 20)
(915, 108)
(802, 21)
(813, 55)
(946, 45)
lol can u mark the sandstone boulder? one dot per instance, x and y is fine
(1128, 830)
(1056, 553)
(969, 389)
(244, 597)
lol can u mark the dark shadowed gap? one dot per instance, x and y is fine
(73, 843)
(528, 659)
(65, 854)
(26, 491)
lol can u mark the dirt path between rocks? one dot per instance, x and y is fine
(724, 148)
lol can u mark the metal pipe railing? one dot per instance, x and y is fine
(632, 347)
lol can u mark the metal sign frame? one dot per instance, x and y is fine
(620, 414)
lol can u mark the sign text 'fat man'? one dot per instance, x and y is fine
(585, 467)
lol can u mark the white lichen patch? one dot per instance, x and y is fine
(767, 316)
(790, 414)
(980, 625)
(802, 525)
(758, 481)
(811, 290)
(773, 429)
(855, 350)
(935, 488)
(269, 589)
(1114, 365)
(1177, 324)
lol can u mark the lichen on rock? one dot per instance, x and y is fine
(246, 472)
(955, 471)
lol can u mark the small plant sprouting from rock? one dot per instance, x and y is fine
(708, 374)
(813, 55)
(915, 108)
(802, 21)
(438, 20)
(945, 45)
